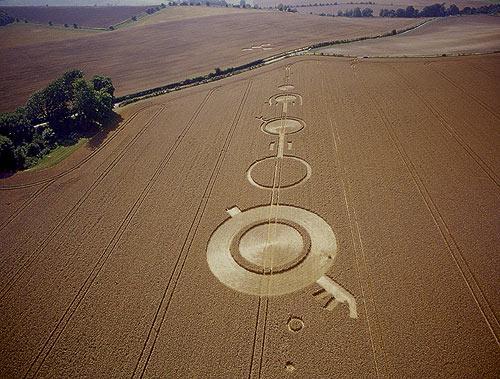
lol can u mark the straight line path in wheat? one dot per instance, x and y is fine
(28, 258)
(108, 251)
(261, 327)
(101, 147)
(353, 225)
(480, 102)
(451, 130)
(168, 293)
(453, 248)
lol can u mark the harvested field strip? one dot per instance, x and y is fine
(181, 259)
(454, 249)
(27, 260)
(108, 251)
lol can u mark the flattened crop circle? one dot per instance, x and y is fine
(293, 275)
(289, 125)
(295, 171)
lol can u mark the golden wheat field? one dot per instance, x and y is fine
(318, 217)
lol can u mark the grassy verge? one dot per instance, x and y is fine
(57, 155)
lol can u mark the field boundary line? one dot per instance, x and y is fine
(354, 225)
(450, 242)
(108, 251)
(258, 63)
(156, 325)
(32, 256)
(451, 130)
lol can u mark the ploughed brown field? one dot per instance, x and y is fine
(98, 17)
(320, 217)
(156, 54)
(450, 35)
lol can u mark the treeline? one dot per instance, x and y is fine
(335, 3)
(156, 9)
(5, 19)
(356, 12)
(60, 114)
(216, 74)
(435, 10)
(439, 10)
(217, 3)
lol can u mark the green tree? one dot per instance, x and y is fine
(410, 11)
(367, 12)
(35, 108)
(15, 126)
(103, 83)
(93, 104)
(56, 102)
(400, 12)
(453, 10)
(8, 159)
(85, 101)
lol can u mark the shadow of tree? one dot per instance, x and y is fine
(98, 135)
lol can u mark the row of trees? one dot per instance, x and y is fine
(335, 3)
(438, 10)
(61, 113)
(435, 10)
(356, 12)
(5, 19)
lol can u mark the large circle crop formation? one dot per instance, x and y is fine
(255, 255)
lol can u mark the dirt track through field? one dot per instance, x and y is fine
(317, 217)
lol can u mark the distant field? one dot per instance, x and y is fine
(80, 3)
(152, 55)
(21, 34)
(451, 35)
(96, 17)
(378, 4)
